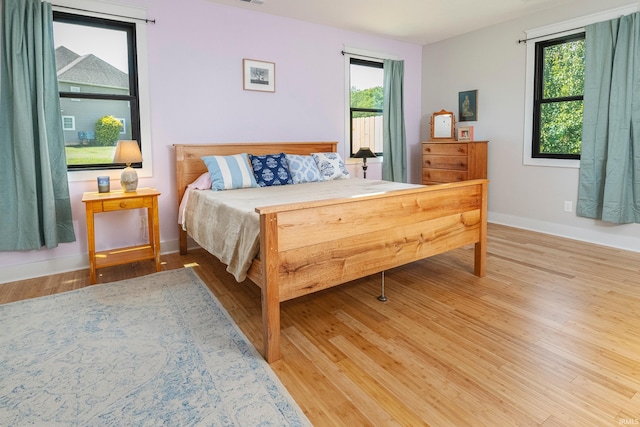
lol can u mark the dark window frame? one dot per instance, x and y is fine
(366, 63)
(133, 97)
(539, 100)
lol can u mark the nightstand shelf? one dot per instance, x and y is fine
(143, 198)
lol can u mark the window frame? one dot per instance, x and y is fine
(348, 53)
(539, 100)
(366, 63)
(129, 28)
(138, 16)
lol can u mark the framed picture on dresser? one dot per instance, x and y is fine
(465, 133)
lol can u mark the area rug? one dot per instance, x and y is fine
(157, 350)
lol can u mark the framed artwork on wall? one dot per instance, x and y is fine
(468, 106)
(258, 75)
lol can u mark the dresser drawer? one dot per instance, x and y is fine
(431, 176)
(445, 162)
(445, 149)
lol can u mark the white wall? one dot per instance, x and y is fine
(195, 53)
(492, 61)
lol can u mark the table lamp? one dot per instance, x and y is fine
(128, 152)
(364, 154)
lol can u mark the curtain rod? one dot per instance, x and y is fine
(547, 35)
(148, 21)
(364, 56)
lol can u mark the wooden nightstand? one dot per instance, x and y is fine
(117, 201)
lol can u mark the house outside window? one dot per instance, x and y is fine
(558, 98)
(97, 84)
(365, 105)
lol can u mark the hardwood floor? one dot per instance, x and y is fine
(550, 337)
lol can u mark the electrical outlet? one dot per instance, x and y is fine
(568, 206)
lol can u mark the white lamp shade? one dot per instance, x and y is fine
(127, 152)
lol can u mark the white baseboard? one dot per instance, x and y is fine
(608, 235)
(61, 265)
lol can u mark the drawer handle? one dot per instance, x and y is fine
(460, 149)
(123, 204)
(428, 150)
(462, 164)
(428, 162)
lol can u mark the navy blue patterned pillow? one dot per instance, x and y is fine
(271, 169)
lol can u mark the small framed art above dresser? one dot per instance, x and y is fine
(452, 161)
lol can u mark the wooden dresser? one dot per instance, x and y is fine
(451, 161)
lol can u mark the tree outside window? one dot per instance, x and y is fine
(558, 98)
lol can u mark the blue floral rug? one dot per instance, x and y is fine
(157, 350)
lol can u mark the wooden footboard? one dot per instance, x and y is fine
(308, 247)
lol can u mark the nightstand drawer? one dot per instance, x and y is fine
(445, 149)
(441, 175)
(116, 205)
(445, 162)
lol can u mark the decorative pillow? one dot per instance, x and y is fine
(230, 172)
(331, 166)
(303, 169)
(271, 169)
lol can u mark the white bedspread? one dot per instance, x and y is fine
(226, 225)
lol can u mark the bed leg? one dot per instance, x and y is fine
(183, 241)
(270, 287)
(382, 297)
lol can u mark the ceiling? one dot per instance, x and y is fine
(414, 21)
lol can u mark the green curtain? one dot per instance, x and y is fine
(609, 185)
(394, 141)
(34, 191)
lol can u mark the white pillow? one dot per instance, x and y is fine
(230, 172)
(331, 166)
(303, 169)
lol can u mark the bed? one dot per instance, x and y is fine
(311, 246)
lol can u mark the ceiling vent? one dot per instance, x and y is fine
(253, 1)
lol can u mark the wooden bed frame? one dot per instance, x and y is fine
(308, 247)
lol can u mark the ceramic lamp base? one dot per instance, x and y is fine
(129, 180)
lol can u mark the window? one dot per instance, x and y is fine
(123, 130)
(98, 83)
(558, 98)
(68, 123)
(74, 89)
(365, 105)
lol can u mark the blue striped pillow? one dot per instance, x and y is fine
(230, 172)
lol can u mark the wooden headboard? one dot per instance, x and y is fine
(189, 164)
